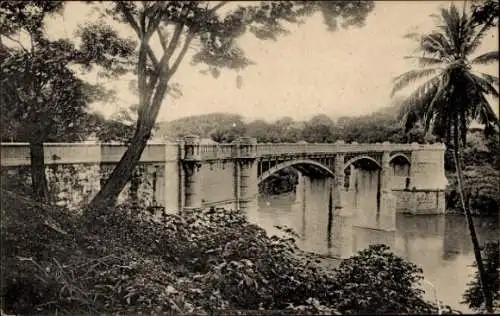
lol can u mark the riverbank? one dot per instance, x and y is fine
(474, 213)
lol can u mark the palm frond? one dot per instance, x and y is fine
(476, 41)
(485, 85)
(486, 58)
(437, 44)
(411, 76)
(438, 94)
(412, 36)
(467, 26)
(440, 125)
(426, 61)
(467, 29)
(451, 18)
(429, 119)
(484, 114)
(493, 80)
(415, 105)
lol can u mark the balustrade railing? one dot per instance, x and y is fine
(217, 151)
(310, 148)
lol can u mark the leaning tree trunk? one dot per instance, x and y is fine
(38, 177)
(475, 243)
(122, 172)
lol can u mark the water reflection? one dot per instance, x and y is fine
(440, 244)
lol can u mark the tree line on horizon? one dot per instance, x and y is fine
(225, 128)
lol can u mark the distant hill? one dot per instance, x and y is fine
(221, 126)
(202, 125)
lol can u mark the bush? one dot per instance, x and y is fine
(122, 261)
(376, 281)
(481, 185)
(481, 175)
(473, 296)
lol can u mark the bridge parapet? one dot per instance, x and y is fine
(293, 148)
(247, 147)
(18, 154)
(220, 151)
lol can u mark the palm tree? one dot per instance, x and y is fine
(453, 95)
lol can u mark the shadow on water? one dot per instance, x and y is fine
(330, 222)
(439, 244)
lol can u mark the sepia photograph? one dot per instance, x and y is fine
(249, 157)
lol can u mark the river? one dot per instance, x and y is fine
(439, 244)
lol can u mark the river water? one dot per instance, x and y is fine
(439, 244)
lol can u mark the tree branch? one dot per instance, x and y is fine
(172, 45)
(142, 75)
(17, 42)
(164, 77)
(181, 55)
(163, 68)
(163, 38)
(155, 20)
(218, 6)
(152, 56)
(142, 26)
(131, 21)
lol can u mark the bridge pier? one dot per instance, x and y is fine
(299, 189)
(338, 186)
(342, 215)
(386, 219)
(192, 175)
(248, 184)
(425, 193)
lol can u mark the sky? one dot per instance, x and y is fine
(311, 71)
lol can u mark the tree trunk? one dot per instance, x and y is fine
(122, 172)
(475, 243)
(38, 177)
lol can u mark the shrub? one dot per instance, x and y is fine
(473, 296)
(480, 183)
(376, 281)
(121, 260)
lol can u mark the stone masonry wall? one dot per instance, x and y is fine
(72, 185)
(420, 201)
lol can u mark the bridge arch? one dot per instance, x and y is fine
(357, 158)
(405, 157)
(296, 163)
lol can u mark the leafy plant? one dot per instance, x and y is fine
(42, 96)
(472, 296)
(375, 281)
(124, 261)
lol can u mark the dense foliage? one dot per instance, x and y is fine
(481, 175)
(43, 97)
(220, 127)
(123, 261)
(371, 128)
(486, 11)
(472, 296)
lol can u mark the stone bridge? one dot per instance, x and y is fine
(188, 174)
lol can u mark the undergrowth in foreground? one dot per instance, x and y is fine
(111, 262)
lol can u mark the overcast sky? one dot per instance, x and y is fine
(311, 71)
